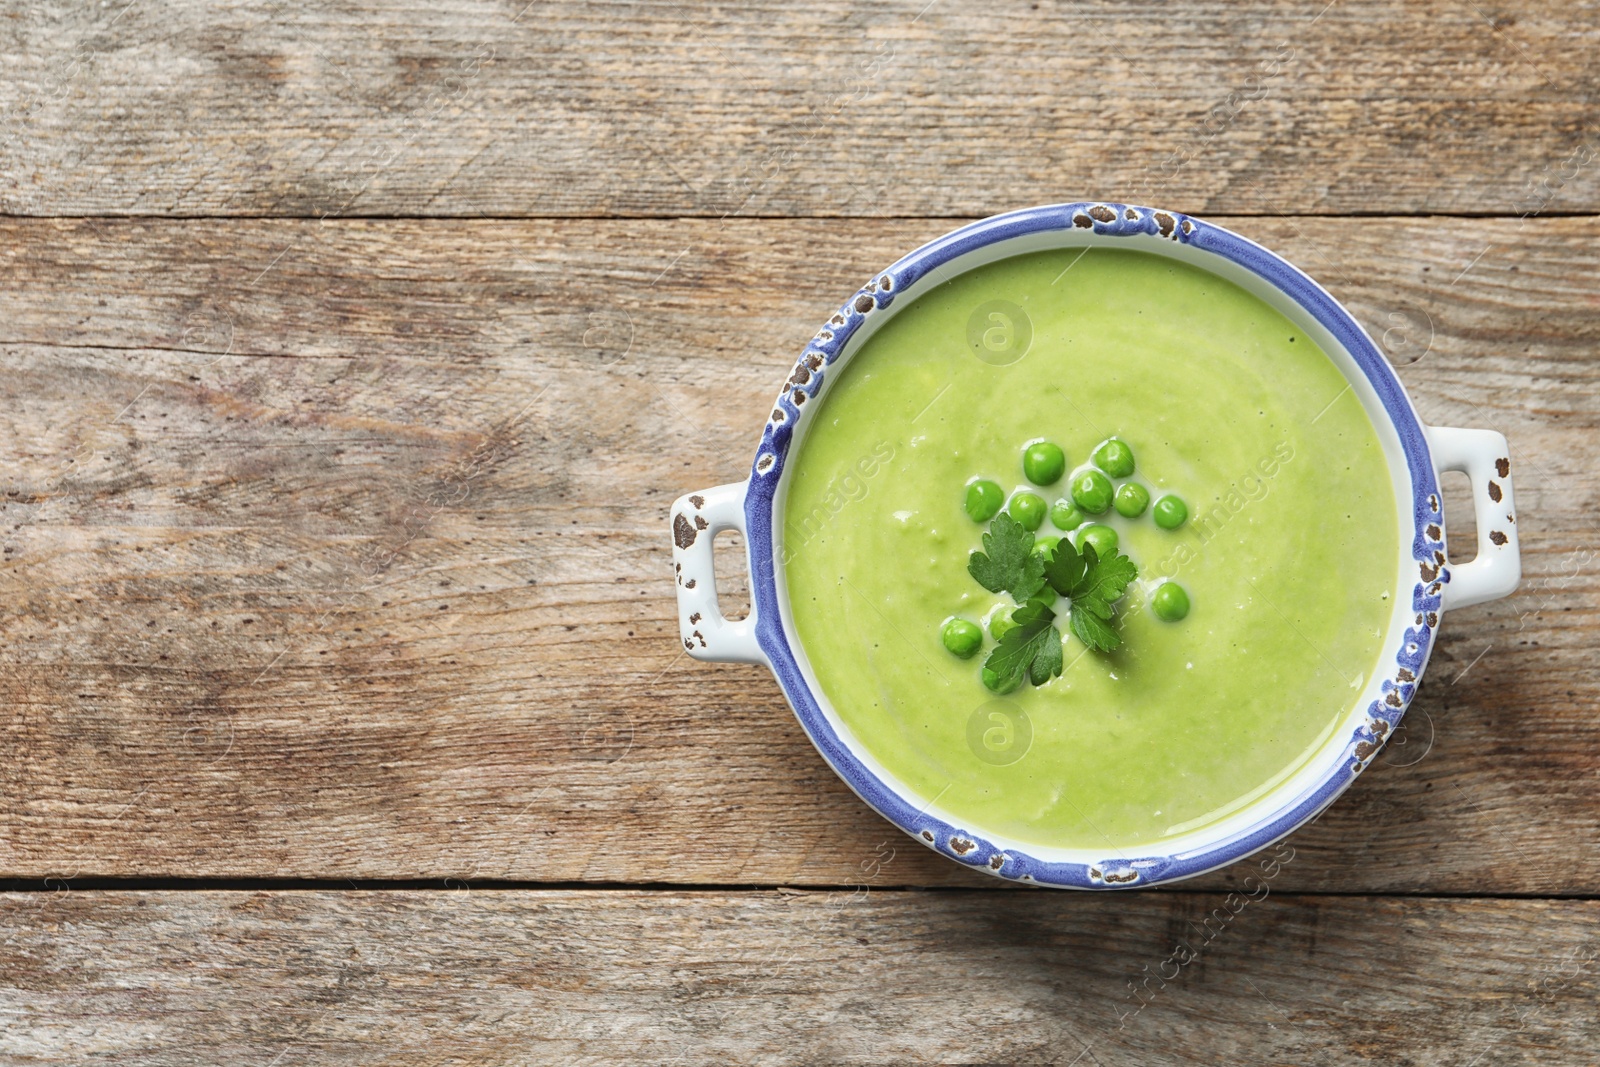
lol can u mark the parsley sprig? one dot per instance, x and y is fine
(1007, 563)
(1093, 585)
(1032, 647)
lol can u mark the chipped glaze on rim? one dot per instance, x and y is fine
(961, 844)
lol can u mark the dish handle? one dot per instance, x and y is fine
(1484, 457)
(697, 518)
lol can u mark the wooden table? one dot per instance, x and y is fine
(352, 356)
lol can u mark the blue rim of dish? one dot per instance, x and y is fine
(965, 845)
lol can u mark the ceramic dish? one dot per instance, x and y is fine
(1427, 585)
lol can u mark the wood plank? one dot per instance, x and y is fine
(819, 108)
(338, 550)
(606, 977)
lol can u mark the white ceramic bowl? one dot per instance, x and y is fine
(1426, 584)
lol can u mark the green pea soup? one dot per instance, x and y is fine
(1289, 555)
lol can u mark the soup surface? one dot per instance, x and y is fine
(1289, 556)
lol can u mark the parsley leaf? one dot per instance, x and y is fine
(1092, 585)
(1095, 633)
(1007, 562)
(1066, 568)
(1104, 580)
(1047, 659)
(1032, 647)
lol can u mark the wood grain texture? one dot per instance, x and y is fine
(418, 978)
(339, 550)
(820, 108)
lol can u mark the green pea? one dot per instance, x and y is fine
(1063, 516)
(961, 637)
(984, 499)
(1045, 547)
(991, 682)
(1115, 458)
(1132, 499)
(1091, 491)
(1103, 538)
(1170, 512)
(1000, 621)
(1170, 602)
(1028, 509)
(1044, 463)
